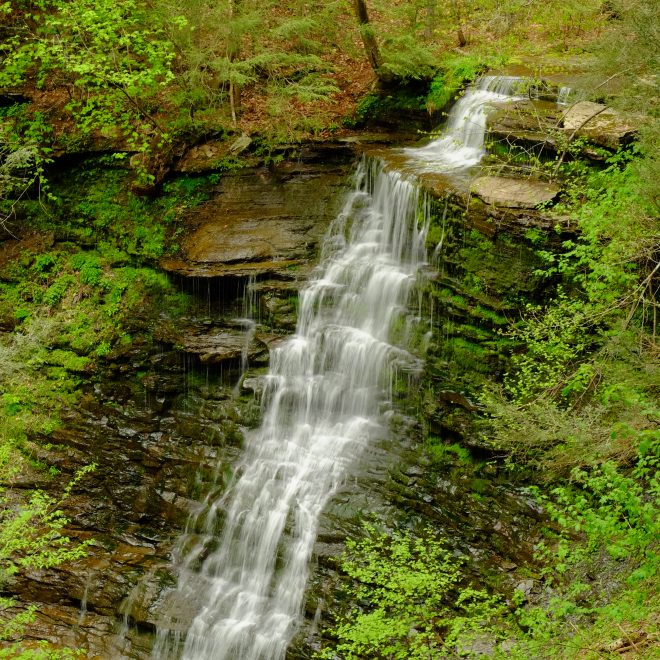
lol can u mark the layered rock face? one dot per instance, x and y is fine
(267, 222)
(166, 421)
(547, 128)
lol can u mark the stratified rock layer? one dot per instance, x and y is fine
(598, 123)
(545, 126)
(262, 222)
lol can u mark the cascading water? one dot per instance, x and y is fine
(461, 144)
(324, 401)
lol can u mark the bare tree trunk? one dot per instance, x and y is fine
(369, 40)
(232, 54)
(458, 17)
(429, 28)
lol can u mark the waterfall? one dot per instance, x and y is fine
(569, 95)
(461, 144)
(563, 95)
(245, 555)
(324, 402)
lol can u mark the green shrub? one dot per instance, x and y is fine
(412, 599)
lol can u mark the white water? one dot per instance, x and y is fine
(461, 144)
(324, 402)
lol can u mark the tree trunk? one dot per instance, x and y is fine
(369, 40)
(232, 54)
(429, 28)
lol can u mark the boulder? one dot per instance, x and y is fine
(598, 123)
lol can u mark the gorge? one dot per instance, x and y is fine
(310, 356)
(241, 566)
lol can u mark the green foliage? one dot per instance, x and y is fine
(225, 47)
(24, 156)
(405, 58)
(616, 513)
(111, 60)
(41, 651)
(412, 602)
(555, 336)
(608, 268)
(606, 531)
(627, 56)
(441, 452)
(32, 536)
(376, 107)
(455, 72)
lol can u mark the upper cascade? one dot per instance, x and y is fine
(461, 143)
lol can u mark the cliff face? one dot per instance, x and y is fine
(164, 418)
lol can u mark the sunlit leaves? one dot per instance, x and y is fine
(412, 600)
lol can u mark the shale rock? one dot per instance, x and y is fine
(261, 222)
(221, 345)
(544, 126)
(601, 125)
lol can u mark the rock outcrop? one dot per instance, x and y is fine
(263, 222)
(599, 124)
(546, 127)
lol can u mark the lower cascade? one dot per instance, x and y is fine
(323, 403)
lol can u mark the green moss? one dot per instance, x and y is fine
(455, 72)
(444, 453)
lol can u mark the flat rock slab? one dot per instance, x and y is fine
(222, 345)
(513, 193)
(541, 123)
(599, 123)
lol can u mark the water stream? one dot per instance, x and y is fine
(461, 143)
(324, 401)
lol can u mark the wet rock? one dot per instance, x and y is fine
(162, 383)
(514, 193)
(457, 398)
(481, 645)
(254, 385)
(222, 345)
(525, 587)
(281, 312)
(490, 219)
